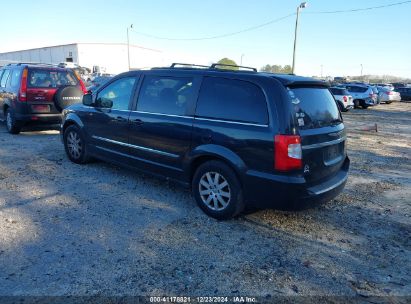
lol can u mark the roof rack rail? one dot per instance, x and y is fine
(33, 63)
(215, 65)
(188, 65)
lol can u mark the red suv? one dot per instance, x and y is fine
(36, 94)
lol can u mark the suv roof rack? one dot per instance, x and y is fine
(215, 65)
(33, 63)
(188, 65)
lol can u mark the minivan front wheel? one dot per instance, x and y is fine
(75, 145)
(13, 126)
(217, 190)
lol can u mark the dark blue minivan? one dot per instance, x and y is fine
(236, 137)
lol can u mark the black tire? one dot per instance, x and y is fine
(388, 102)
(71, 135)
(363, 104)
(13, 126)
(234, 204)
(356, 103)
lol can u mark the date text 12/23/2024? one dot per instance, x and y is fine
(236, 299)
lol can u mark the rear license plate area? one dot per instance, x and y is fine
(333, 154)
(40, 108)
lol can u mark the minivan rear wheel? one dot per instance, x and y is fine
(217, 190)
(13, 126)
(75, 145)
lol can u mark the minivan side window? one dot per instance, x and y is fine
(165, 95)
(232, 100)
(118, 92)
(4, 78)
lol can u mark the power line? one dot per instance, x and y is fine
(360, 9)
(268, 23)
(216, 36)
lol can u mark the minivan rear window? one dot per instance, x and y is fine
(314, 107)
(44, 78)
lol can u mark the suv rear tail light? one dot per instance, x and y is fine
(83, 87)
(345, 98)
(287, 152)
(23, 86)
(390, 93)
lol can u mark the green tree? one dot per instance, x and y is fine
(227, 61)
(276, 69)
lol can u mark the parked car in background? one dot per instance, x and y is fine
(234, 137)
(92, 76)
(405, 93)
(388, 96)
(397, 85)
(36, 94)
(97, 82)
(343, 98)
(375, 93)
(363, 95)
(384, 85)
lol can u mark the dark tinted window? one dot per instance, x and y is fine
(43, 78)
(357, 89)
(119, 93)
(339, 91)
(4, 78)
(15, 78)
(165, 95)
(234, 100)
(314, 107)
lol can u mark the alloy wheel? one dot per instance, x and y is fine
(214, 191)
(74, 144)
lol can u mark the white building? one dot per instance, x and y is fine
(111, 57)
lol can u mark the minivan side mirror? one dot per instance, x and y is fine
(88, 100)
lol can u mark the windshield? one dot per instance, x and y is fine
(48, 78)
(314, 107)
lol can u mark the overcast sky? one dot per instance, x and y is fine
(379, 39)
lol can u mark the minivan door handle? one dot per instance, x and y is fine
(120, 119)
(137, 121)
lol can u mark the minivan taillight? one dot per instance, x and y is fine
(23, 86)
(287, 152)
(345, 98)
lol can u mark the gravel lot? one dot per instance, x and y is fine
(98, 229)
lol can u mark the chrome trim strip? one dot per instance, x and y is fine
(203, 119)
(324, 144)
(161, 114)
(231, 122)
(135, 147)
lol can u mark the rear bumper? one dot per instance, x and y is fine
(39, 118)
(283, 192)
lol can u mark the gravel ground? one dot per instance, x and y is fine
(98, 229)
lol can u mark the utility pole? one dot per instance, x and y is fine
(241, 60)
(361, 69)
(128, 46)
(301, 6)
(321, 71)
